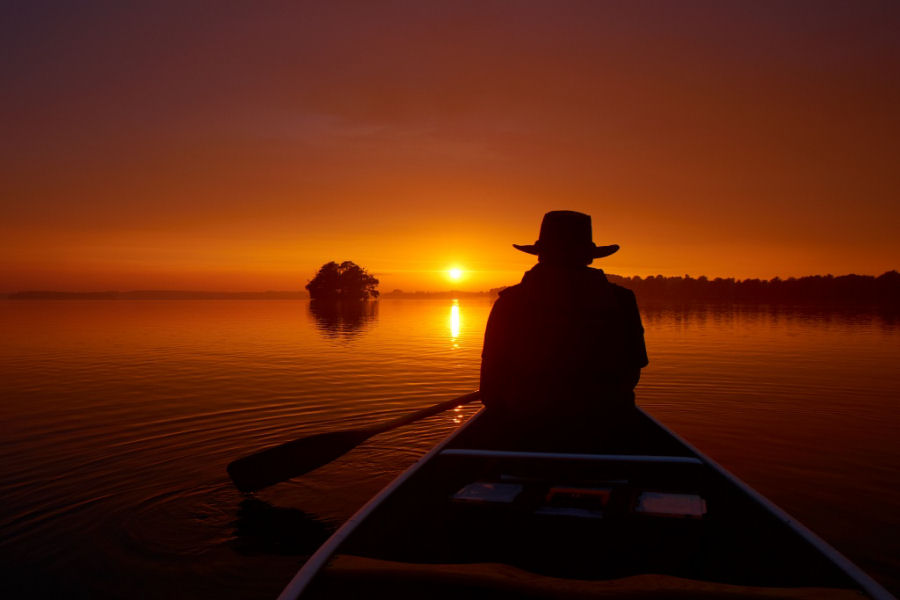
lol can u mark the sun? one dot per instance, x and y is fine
(454, 273)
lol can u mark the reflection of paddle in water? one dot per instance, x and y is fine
(261, 528)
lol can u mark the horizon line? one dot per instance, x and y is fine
(398, 291)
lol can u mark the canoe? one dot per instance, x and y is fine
(615, 508)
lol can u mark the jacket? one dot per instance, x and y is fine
(564, 340)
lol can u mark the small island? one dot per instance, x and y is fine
(346, 281)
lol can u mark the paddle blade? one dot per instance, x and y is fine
(273, 465)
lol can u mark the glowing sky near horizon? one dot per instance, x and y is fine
(239, 146)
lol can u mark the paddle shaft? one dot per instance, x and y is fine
(291, 459)
(425, 412)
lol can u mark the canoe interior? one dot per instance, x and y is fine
(420, 533)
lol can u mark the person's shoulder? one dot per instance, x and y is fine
(621, 289)
(623, 292)
(510, 300)
(512, 292)
(600, 278)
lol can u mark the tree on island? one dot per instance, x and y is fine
(345, 281)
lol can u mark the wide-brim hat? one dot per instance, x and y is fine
(569, 232)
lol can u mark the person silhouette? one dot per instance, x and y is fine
(565, 343)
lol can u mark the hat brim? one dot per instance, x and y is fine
(596, 251)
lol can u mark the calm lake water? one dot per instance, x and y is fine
(118, 418)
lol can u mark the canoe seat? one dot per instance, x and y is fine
(572, 457)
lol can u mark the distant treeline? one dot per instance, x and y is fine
(851, 290)
(883, 290)
(157, 295)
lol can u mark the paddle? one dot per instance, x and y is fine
(291, 459)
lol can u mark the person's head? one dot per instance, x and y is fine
(566, 239)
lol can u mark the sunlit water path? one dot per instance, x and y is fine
(118, 418)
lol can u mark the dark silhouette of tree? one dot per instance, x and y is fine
(345, 281)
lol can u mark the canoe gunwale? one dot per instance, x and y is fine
(321, 556)
(865, 582)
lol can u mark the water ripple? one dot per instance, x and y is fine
(119, 418)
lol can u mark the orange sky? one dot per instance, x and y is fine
(240, 147)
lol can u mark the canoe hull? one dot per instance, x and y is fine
(590, 508)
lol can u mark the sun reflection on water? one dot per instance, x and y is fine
(454, 320)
